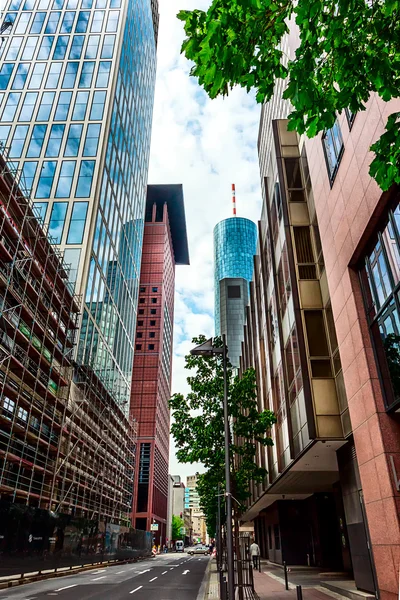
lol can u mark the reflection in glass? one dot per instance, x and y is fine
(57, 221)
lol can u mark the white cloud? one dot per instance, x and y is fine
(205, 145)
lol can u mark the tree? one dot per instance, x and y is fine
(177, 524)
(348, 49)
(198, 430)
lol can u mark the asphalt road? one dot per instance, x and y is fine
(166, 577)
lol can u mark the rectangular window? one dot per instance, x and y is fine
(333, 148)
(154, 300)
(138, 346)
(152, 334)
(141, 311)
(11, 106)
(92, 47)
(65, 179)
(45, 47)
(70, 75)
(37, 23)
(4, 131)
(46, 179)
(5, 74)
(8, 406)
(139, 334)
(30, 47)
(18, 141)
(45, 107)
(23, 22)
(86, 77)
(29, 5)
(234, 291)
(54, 142)
(350, 116)
(64, 102)
(28, 106)
(103, 74)
(52, 22)
(92, 139)
(77, 223)
(87, 3)
(57, 221)
(80, 107)
(97, 23)
(13, 48)
(83, 20)
(85, 179)
(37, 76)
(152, 323)
(99, 4)
(28, 175)
(37, 139)
(61, 47)
(21, 76)
(40, 210)
(53, 75)
(15, 4)
(151, 346)
(72, 4)
(44, 4)
(153, 311)
(97, 110)
(112, 23)
(73, 140)
(58, 4)
(115, 4)
(67, 22)
(108, 46)
(71, 258)
(76, 47)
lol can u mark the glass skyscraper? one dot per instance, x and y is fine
(76, 90)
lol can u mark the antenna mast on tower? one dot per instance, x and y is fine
(234, 199)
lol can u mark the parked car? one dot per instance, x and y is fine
(199, 549)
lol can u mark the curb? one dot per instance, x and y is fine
(205, 584)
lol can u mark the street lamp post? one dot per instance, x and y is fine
(208, 349)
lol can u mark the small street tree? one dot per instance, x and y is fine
(177, 525)
(348, 49)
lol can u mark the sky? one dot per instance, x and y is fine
(206, 145)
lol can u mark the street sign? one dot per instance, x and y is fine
(154, 527)
(182, 531)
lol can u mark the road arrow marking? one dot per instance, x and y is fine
(186, 572)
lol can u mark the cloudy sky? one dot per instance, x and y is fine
(205, 145)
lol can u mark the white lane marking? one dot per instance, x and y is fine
(97, 578)
(67, 587)
(154, 578)
(136, 590)
(146, 571)
(172, 568)
(98, 571)
(186, 572)
(119, 572)
(164, 572)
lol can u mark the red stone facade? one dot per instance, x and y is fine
(348, 213)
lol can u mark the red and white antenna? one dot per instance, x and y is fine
(234, 199)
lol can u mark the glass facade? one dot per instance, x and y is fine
(77, 80)
(235, 244)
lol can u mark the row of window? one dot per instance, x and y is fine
(54, 75)
(141, 323)
(22, 415)
(333, 145)
(60, 4)
(58, 46)
(53, 20)
(143, 300)
(152, 334)
(143, 289)
(65, 178)
(149, 347)
(57, 220)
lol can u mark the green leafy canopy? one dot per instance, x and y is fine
(177, 524)
(347, 50)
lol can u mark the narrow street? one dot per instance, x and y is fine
(167, 577)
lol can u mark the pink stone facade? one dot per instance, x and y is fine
(347, 214)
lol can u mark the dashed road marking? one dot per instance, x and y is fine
(97, 578)
(119, 572)
(67, 587)
(136, 590)
(154, 578)
(164, 572)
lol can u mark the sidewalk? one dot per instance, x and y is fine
(213, 585)
(266, 586)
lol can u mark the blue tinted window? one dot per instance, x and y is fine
(45, 106)
(61, 47)
(86, 77)
(87, 3)
(18, 141)
(30, 47)
(23, 23)
(37, 139)
(57, 221)
(45, 47)
(92, 139)
(112, 23)
(80, 106)
(58, 4)
(97, 23)
(5, 74)
(83, 20)
(96, 113)
(70, 75)
(52, 22)
(46, 179)
(108, 46)
(28, 175)
(15, 4)
(103, 74)
(85, 178)
(9, 18)
(73, 140)
(71, 257)
(64, 102)
(4, 131)
(11, 106)
(28, 106)
(77, 45)
(77, 223)
(39, 208)
(44, 4)
(29, 5)
(65, 179)
(72, 4)
(333, 146)
(115, 4)
(92, 47)
(99, 4)
(67, 22)
(21, 76)
(13, 48)
(53, 75)
(54, 142)
(37, 76)
(37, 23)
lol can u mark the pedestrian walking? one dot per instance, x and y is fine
(255, 554)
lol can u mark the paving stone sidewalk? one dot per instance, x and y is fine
(267, 587)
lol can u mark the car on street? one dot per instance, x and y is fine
(199, 549)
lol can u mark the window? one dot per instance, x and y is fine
(80, 106)
(103, 74)
(44, 4)
(53, 75)
(142, 290)
(76, 47)
(70, 75)
(153, 311)
(71, 258)
(97, 110)
(23, 23)
(304, 253)
(15, 4)
(141, 311)
(154, 300)
(30, 47)
(54, 142)
(92, 47)
(29, 5)
(97, 23)
(13, 48)
(152, 323)
(28, 175)
(22, 414)
(35, 423)
(57, 221)
(5, 74)
(61, 47)
(151, 346)
(333, 148)
(142, 300)
(52, 22)
(152, 334)
(11, 106)
(66, 176)
(86, 77)
(350, 116)
(112, 23)
(234, 291)
(18, 141)
(72, 4)
(45, 47)
(270, 537)
(4, 131)
(45, 106)
(108, 46)
(37, 76)
(140, 323)
(82, 23)
(85, 178)
(138, 346)
(64, 102)
(67, 22)
(139, 334)
(21, 76)
(46, 178)
(73, 140)
(316, 334)
(8, 406)
(92, 140)
(40, 210)
(37, 23)
(77, 224)
(154, 289)
(36, 143)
